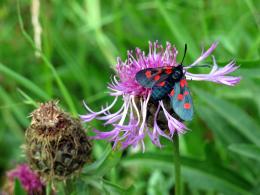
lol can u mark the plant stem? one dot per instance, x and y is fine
(68, 186)
(48, 188)
(177, 165)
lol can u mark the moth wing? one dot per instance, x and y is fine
(151, 76)
(162, 89)
(181, 100)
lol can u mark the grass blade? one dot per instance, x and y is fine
(211, 177)
(246, 150)
(108, 160)
(61, 85)
(26, 83)
(234, 115)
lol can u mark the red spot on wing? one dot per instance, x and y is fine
(148, 74)
(186, 93)
(172, 92)
(161, 84)
(180, 97)
(168, 67)
(159, 71)
(168, 71)
(186, 106)
(157, 77)
(183, 83)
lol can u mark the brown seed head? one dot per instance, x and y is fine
(56, 144)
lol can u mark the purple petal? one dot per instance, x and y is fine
(87, 117)
(218, 75)
(203, 55)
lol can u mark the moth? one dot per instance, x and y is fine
(169, 81)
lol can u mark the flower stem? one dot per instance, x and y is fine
(177, 165)
(48, 188)
(68, 186)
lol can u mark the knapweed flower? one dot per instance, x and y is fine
(56, 144)
(139, 115)
(30, 181)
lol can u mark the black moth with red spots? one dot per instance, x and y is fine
(168, 81)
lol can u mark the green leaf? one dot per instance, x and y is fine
(108, 160)
(159, 183)
(253, 73)
(23, 81)
(48, 188)
(218, 125)
(8, 100)
(116, 189)
(18, 189)
(28, 99)
(250, 151)
(234, 115)
(94, 21)
(180, 34)
(60, 83)
(198, 174)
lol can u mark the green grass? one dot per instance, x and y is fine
(80, 43)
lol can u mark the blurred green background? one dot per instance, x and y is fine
(80, 42)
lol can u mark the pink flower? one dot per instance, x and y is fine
(130, 121)
(30, 181)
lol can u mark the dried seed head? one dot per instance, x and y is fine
(56, 144)
(47, 117)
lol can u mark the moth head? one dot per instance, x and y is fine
(177, 73)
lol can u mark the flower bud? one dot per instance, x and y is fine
(56, 144)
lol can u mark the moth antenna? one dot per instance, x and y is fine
(185, 51)
(203, 65)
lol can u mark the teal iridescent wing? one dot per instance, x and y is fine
(181, 100)
(162, 89)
